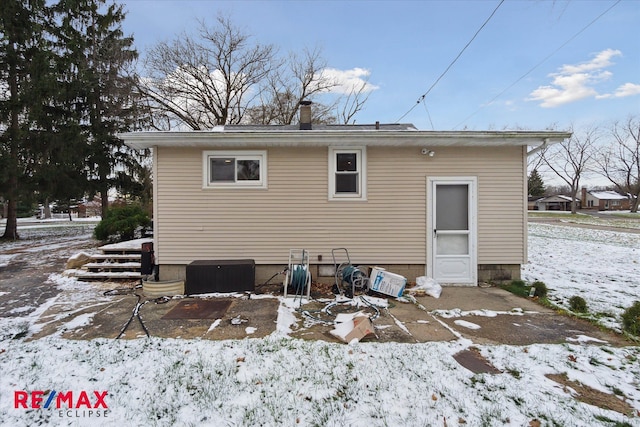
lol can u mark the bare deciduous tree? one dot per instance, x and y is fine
(298, 78)
(620, 162)
(571, 159)
(353, 102)
(219, 76)
(205, 81)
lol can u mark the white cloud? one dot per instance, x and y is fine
(601, 60)
(575, 82)
(627, 89)
(563, 90)
(348, 80)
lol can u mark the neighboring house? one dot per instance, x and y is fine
(605, 200)
(451, 205)
(531, 202)
(555, 203)
(90, 208)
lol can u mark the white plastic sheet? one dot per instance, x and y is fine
(429, 286)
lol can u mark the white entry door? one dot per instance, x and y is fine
(451, 230)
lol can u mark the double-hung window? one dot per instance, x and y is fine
(347, 173)
(236, 169)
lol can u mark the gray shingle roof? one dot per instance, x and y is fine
(382, 126)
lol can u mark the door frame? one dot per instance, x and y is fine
(472, 182)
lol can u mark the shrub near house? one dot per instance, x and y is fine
(122, 223)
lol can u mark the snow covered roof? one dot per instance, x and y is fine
(607, 195)
(400, 135)
(556, 198)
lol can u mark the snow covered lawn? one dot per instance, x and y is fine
(278, 380)
(601, 266)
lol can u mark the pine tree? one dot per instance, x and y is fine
(60, 146)
(99, 58)
(64, 96)
(24, 65)
(535, 184)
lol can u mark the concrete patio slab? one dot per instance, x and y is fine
(470, 298)
(483, 315)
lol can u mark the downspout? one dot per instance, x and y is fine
(542, 146)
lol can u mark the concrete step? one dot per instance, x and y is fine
(114, 258)
(108, 276)
(125, 248)
(120, 261)
(112, 266)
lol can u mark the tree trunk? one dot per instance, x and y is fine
(47, 209)
(104, 197)
(11, 228)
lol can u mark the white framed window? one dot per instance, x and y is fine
(234, 169)
(348, 173)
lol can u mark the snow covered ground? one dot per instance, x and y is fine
(278, 380)
(601, 266)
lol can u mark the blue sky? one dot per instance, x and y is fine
(402, 47)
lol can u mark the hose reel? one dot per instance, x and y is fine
(298, 275)
(348, 274)
(354, 276)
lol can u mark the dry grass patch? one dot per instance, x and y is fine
(592, 396)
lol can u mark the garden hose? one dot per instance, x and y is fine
(299, 278)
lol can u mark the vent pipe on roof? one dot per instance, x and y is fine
(305, 115)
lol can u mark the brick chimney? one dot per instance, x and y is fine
(583, 199)
(305, 115)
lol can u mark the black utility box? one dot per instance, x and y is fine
(147, 259)
(205, 276)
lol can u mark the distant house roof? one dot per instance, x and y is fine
(607, 195)
(556, 198)
(397, 134)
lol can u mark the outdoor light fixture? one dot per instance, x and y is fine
(428, 152)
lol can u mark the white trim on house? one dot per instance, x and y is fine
(154, 159)
(360, 172)
(342, 138)
(236, 155)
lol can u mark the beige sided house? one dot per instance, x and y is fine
(451, 205)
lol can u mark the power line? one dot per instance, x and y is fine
(538, 64)
(424, 95)
(428, 115)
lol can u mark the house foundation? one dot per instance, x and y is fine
(324, 273)
(498, 272)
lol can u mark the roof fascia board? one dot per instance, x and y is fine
(141, 140)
